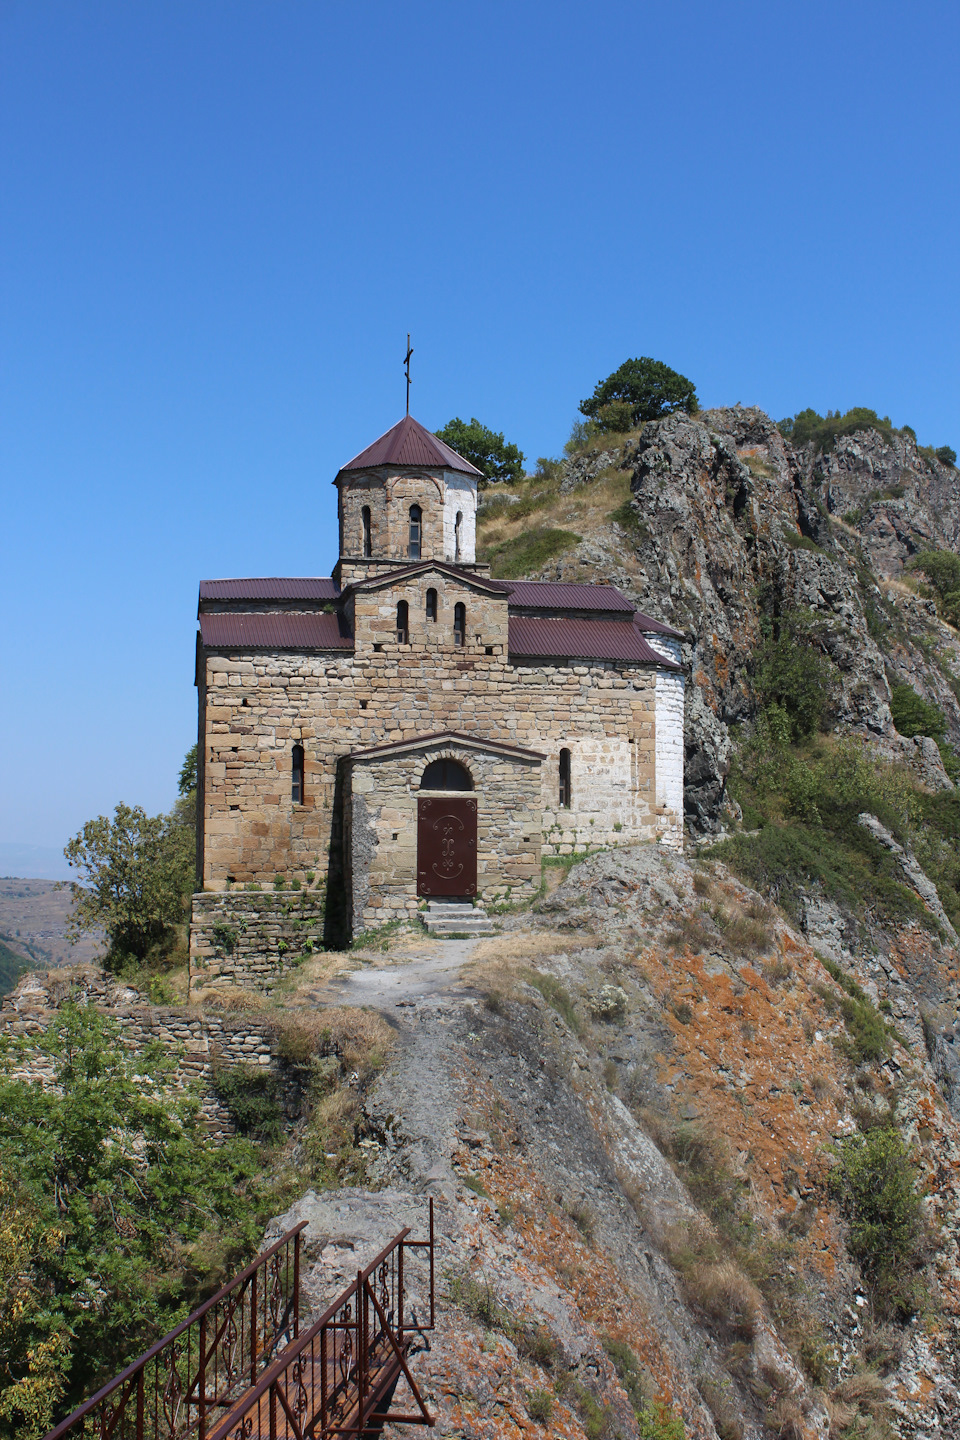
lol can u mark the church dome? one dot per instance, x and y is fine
(410, 443)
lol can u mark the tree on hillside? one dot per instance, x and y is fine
(495, 457)
(136, 872)
(638, 391)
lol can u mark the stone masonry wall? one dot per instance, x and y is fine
(197, 1037)
(382, 827)
(439, 493)
(245, 938)
(670, 744)
(259, 705)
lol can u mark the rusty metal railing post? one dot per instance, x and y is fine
(431, 1262)
(140, 1404)
(296, 1285)
(400, 1293)
(253, 1329)
(323, 1381)
(202, 1381)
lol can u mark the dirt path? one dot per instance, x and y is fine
(404, 981)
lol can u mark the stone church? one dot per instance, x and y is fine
(413, 730)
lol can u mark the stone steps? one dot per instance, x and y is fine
(455, 917)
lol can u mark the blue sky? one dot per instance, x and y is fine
(219, 221)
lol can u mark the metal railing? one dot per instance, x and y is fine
(339, 1374)
(188, 1379)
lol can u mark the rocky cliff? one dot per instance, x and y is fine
(729, 525)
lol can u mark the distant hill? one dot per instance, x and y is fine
(34, 916)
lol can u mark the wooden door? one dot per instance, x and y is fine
(447, 846)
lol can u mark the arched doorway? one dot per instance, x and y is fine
(446, 832)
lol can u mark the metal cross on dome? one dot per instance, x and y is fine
(406, 361)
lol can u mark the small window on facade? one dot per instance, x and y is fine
(459, 624)
(446, 775)
(431, 604)
(367, 532)
(416, 533)
(403, 623)
(458, 535)
(296, 777)
(565, 779)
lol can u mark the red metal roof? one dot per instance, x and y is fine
(558, 639)
(271, 588)
(409, 443)
(547, 595)
(283, 631)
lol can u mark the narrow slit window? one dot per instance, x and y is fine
(403, 623)
(565, 793)
(367, 532)
(458, 535)
(296, 775)
(415, 545)
(431, 604)
(459, 624)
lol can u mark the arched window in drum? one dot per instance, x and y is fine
(403, 623)
(415, 545)
(431, 604)
(367, 532)
(459, 624)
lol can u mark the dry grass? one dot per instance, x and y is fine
(860, 1407)
(722, 1293)
(586, 508)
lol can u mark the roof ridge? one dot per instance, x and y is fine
(410, 443)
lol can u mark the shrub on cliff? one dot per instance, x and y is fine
(638, 391)
(942, 569)
(112, 1193)
(794, 680)
(493, 456)
(913, 715)
(875, 1182)
(822, 431)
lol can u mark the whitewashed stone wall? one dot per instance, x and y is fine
(460, 496)
(669, 747)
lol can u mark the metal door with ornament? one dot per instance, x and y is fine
(447, 846)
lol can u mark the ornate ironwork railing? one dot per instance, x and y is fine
(340, 1373)
(184, 1383)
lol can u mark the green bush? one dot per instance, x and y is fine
(794, 680)
(628, 517)
(251, 1094)
(913, 715)
(946, 455)
(822, 431)
(528, 551)
(123, 1206)
(876, 1185)
(942, 569)
(806, 800)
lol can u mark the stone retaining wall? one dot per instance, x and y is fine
(249, 938)
(197, 1037)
